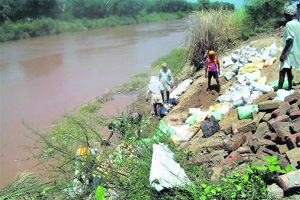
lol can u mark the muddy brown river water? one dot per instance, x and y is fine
(42, 78)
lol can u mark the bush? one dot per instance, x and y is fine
(261, 16)
(216, 30)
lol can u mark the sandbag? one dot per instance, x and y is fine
(209, 126)
(281, 94)
(245, 112)
(274, 84)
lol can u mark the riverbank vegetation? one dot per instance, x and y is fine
(25, 19)
(123, 168)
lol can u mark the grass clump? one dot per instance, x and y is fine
(215, 30)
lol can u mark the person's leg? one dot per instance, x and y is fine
(168, 96)
(218, 85)
(281, 78)
(209, 80)
(162, 95)
(154, 108)
(290, 78)
(158, 107)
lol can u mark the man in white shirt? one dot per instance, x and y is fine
(290, 56)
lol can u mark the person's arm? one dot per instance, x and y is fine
(288, 43)
(171, 77)
(206, 68)
(218, 63)
(147, 95)
(159, 75)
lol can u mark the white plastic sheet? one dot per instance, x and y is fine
(165, 172)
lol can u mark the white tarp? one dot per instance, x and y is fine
(165, 172)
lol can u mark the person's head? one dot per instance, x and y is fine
(211, 54)
(290, 12)
(164, 66)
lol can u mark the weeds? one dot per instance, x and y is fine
(210, 30)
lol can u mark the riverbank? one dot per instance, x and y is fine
(28, 29)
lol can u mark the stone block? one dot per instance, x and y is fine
(271, 136)
(250, 126)
(296, 126)
(196, 148)
(235, 127)
(282, 149)
(228, 130)
(293, 156)
(198, 160)
(244, 150)
(291, 141)
(215, 144)
(253, 144)
(266, 142)
(257, 118)
(281, 118)
(295, 114)
(216, 173)
(236, 141)
(247, 135)
(292, 98)
(269, 105)
(261, 130)
(290, 180)
(233, 158)
(282, 110)
(275, 191)
(292, 108)
(267, 117)
(282, 130)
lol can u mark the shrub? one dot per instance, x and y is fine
(216, 30)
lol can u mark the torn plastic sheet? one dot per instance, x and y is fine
(165, 172)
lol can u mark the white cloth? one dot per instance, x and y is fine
(166, 79)
(155, 85)
(292, 31)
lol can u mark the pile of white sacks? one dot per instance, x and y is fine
(247, 55)
(246, 64)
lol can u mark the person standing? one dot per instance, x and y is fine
(212, 69)
(166, 78)
(154, 90)
(290, 56)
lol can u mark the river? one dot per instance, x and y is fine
(41, 78)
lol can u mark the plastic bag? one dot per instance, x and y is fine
(165, 172)
(245, 112)
(273, 49)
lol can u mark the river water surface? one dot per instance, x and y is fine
(42, 78)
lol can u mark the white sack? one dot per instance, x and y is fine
(182, 87)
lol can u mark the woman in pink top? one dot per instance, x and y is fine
(212, 69)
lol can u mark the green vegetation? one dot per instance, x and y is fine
(217, 30)
(24, 19)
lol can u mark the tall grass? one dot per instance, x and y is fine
(211, 30)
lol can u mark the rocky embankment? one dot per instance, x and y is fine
(272, 131)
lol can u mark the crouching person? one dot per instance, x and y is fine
(154, 91)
